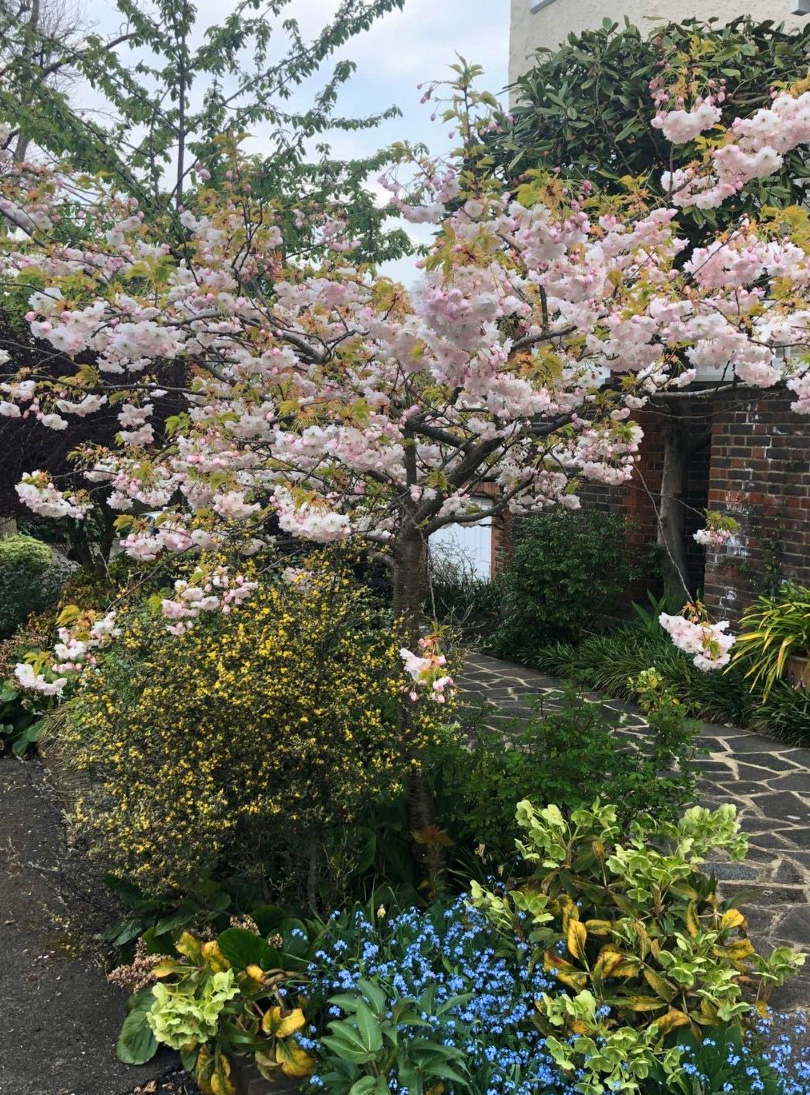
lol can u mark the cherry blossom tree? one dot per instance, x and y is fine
(584, 111)
(345, 407)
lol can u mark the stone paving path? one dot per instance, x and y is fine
(768, 781)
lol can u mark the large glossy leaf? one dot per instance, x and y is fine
(243, 948)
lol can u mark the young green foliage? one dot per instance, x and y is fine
(634, 931)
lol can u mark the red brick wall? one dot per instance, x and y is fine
(760, 475)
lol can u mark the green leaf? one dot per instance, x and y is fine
(364, 1086)
(269, 918)
(131, 895)
(375, 996)
(35, 732)
(188, 1059)
(295, 945)
(136, 1043)
(369, 1028)
(158, 944)
(183, 915)
(346, 1049)
(244, 948)
(124, 931)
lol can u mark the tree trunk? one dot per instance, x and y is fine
(8, 527)
(313, 867)
(23, 140)
(672, 512)
(410, 575)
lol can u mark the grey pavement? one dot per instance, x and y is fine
(60, 1017)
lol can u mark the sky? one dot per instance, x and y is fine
(402, 50)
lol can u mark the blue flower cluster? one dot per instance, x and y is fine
(452, 949)
(770, 1060)
(788, 1052)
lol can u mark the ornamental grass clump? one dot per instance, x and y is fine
(232, 747)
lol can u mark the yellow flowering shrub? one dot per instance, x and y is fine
(246, 736)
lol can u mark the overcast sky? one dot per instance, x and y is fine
(402, 50)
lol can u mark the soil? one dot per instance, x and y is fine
(60, 1017)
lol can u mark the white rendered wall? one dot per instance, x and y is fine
(553, 20)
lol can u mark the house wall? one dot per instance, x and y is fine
(553, 20)
(760, 475)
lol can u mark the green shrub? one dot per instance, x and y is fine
(636, 936)
(785, 713)
(31, 578)
(567, 574)
(458, 592)
(569, 756)
(234, 747)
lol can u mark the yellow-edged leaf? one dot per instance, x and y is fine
(569, 912)
(565, 973)
(251, 980)
(577, 937)
(189, 946)
(735, 952)
(692, 919)
(673, 1019)
(642, 1003)
(294, 1061)
(659, 984)
(282, 1026)
(202, 1071)
(575, 981)
(167, 967)
(221, 1082)
(214, 957)
(555, 962)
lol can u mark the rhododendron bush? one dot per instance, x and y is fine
(344, 406)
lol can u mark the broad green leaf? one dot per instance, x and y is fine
(136, 1043)
(243, 948)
